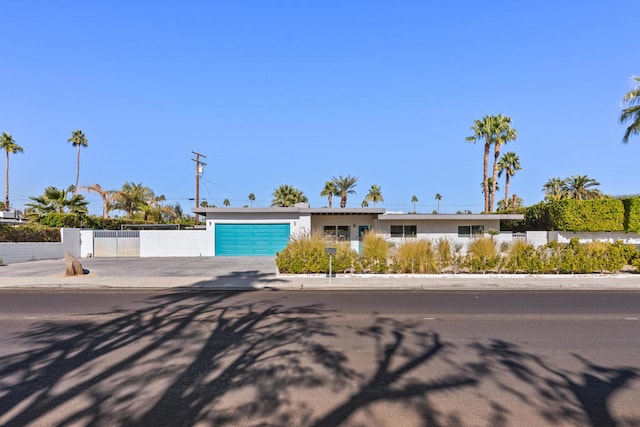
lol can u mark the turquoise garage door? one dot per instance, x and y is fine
(251, 239)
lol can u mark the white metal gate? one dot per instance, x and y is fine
(116, 243)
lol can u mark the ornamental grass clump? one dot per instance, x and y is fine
(482, 255)
(305, 253)
(416, 257)
(446, 256)
(375, 250)
(344, 259)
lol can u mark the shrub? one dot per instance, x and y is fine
(305, 253)
(29, 233)
(344, 259)
(482, 255)
(416, 256)
(374, 253)
(594, 257)
(632, 214)
(523, 258)
(445, 253)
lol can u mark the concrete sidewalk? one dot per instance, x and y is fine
(254, 273)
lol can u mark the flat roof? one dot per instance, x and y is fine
(448, 217)
(380, 212)
(312, 211)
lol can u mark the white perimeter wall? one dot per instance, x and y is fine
(33, 251)
(566, 236)
(165, 243)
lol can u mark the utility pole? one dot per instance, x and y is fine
(199, 169)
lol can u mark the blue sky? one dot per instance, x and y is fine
(296, 92)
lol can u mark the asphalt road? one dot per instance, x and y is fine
(410, 358)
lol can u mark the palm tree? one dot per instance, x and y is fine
(9, 146)
(554, 189)
(345, 186)
(374, 195)
(78, 139)
(108, 197)
(155, 210)
(56, 200)
(132, 198)
(494, 130)
(329, 191)
(287, 196)
(581, 187)
(414, 200)
(438, 198)
(509, 163)
(364, 204)
(252, 198)
(490, 185)
(512, 204)
(632, 113)
(226, 202)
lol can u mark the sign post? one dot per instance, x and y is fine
(331, 252)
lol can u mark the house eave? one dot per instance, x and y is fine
(449, 217)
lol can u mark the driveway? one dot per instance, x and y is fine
(148, 267)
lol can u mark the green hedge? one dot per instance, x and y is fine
(632, 214)
(29, 233)
(583, 215)
(85, 221)
(588, 215)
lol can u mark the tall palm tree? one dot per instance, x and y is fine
(108, 197)
(581, 187)
(632, 111)
(252, 198)
(554, 189)
(497, 187)
(494, 130)
(329, 191)
(55, 200)
(374, 195)
(509, 163)
(133, 198)
(287, 196)
(438, 198)
(8, 144)
(345, 186)
(78, 139)
(414, 200)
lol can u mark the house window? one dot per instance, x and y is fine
(339, 232)
(404, 231)
(470, 230)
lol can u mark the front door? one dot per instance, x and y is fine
(362, 230)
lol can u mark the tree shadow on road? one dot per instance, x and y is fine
(207, 358)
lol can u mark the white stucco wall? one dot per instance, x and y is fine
(33, 251)
(353, 221)
(537, 238)
(434, 230)
(566, 236)
(86, 243)
(165, 243)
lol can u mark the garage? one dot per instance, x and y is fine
(251, 239)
